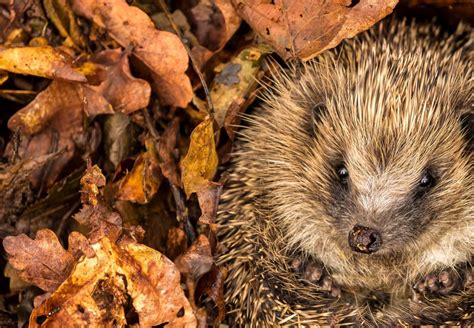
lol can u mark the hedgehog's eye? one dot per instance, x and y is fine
(342, 173)
(426, 180)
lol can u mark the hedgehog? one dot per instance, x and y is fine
(349, 197)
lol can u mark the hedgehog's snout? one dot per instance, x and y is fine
(364, 240)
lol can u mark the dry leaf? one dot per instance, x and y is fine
(305, 28)
(125, 93)
(162, 52)
(166, 149)
(197, 260)
(211, 286)
(236, 80)
(15, 189)
(91, 184)
(101, 279)
(214, 22)
(60, 13)
(42, 261)
(208, 200)
(194, 263)
(40, 61)
(120, 276)
(54, 120)
(94, 214)
(141, 184)
(120, 138)
(176, 243)
(200, 163)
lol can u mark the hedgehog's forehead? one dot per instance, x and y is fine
(383, 139)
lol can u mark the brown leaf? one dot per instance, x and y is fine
(54, 120)
(94, 214)
(96, 293)
(91, 185)
(211, 286)
(215, 22)
(208, 200)
(125, 93)
(79, 245)
(162, 52)
(42, 261)
(236, 80)
(141, 184)
(40, 61)
(15, 189)
(305, 28)
(166, 149)
(200, 163)
(101, 221)
(60, 13)
(120, 139)
(176, 242)
(196, 262)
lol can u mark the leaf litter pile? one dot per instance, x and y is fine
(117, 120)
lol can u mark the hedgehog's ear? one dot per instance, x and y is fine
(316, 113)
(467, 124)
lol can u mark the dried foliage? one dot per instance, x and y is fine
(152, 92)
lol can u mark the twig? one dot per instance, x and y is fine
(182, 213)
(210, 110)
(18, 92)
(60, 227)
(150, 126)
(53, 147)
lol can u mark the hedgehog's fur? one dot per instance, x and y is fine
(390, 104)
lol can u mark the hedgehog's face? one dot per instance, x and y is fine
(389, 186)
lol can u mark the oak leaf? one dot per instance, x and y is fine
(161, 52)
(99, 288)
(305, 28)
(41, 261)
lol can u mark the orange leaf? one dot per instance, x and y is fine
(97, 292)
(305, 28)
(142, 183)
(41, 261)
(162, 52)
(200, 163)
(40, 61)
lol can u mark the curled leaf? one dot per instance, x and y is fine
(200, 163)
(40, 61)
(142, 183)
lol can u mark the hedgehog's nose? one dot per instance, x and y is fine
(364, 240)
